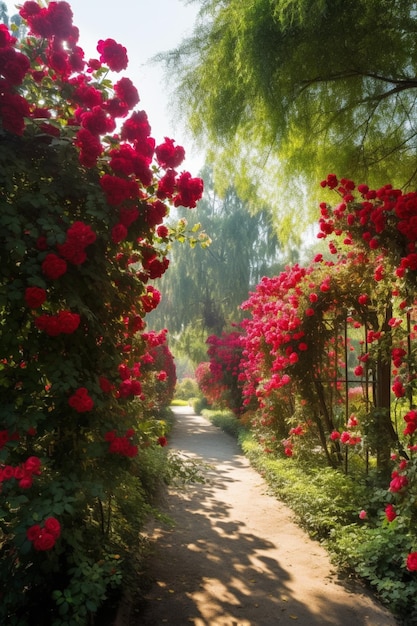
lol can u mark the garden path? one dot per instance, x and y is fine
(235, 556)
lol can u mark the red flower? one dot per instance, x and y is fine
(81, 401)
(13, 110)
(162, 441)
(398, 482)
(52, 525)
(90, 147)
(32, 465)
(162, 231)
(6, 39)
(118, 233)
(53, 266)
(45, 541)
(168, 155)
(13, 65)
(412, 562)
(113, 54)
(136, 128)
(35, 297)
(33, 532)
(118, 189)
(390, 512)
(97, 121)
(105, 385)
(127, 92)
(190, 190)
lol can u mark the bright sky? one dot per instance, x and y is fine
(144, 27)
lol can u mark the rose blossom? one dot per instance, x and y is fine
(35, 297)
(412, 562)
(53, 266)
(113, 54)
(80, 401)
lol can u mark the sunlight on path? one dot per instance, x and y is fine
(235, 556)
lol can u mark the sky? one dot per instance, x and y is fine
(145, 28)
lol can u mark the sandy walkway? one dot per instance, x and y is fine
(236, 557)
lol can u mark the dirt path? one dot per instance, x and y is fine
(236, 557)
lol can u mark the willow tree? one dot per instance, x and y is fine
(203, 294)
(285, 91)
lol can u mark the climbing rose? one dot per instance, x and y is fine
(53, 526)
(390, 513)
(53, 266)
(113, 54)
(35, 297)
(127, 92)
(412, 562)
(81, 401)
(168, 155)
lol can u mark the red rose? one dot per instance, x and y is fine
(127, 92)
(128, 215)
(113, 54)
(53, 266)
(118, 233)
(13, 110)
(53, 526)
(32, 465)
(90, 147)
(136, 128)
(33, 532)
(168, 155)
(412, 562)
(162, 441)
(35, 297)
(45, 541)
(155, 213)
(14, 65)
(118, 189)
(190, 190)
(166, 185)
(68, 322)
(390, 512)
(162, 231)
(97, 121)
(6, 39)
(80, 401)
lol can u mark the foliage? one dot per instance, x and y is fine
(203, 296)
(186, 388)
(281, 82)
(225, 420)
(82, 207)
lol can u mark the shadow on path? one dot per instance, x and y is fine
(235, 557)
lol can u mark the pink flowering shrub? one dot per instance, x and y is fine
(81, 204)
(330, 353)
(219, 381)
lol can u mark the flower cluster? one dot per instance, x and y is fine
(22, 473)
(63, 322)
(383, 219)
(122, 445)
(80, 400)
(44, 537)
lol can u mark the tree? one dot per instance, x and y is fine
(204, 295)
(302, 88)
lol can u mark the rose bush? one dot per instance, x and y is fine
(81, 205)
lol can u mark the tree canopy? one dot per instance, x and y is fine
(286, 91)
(203, 294)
